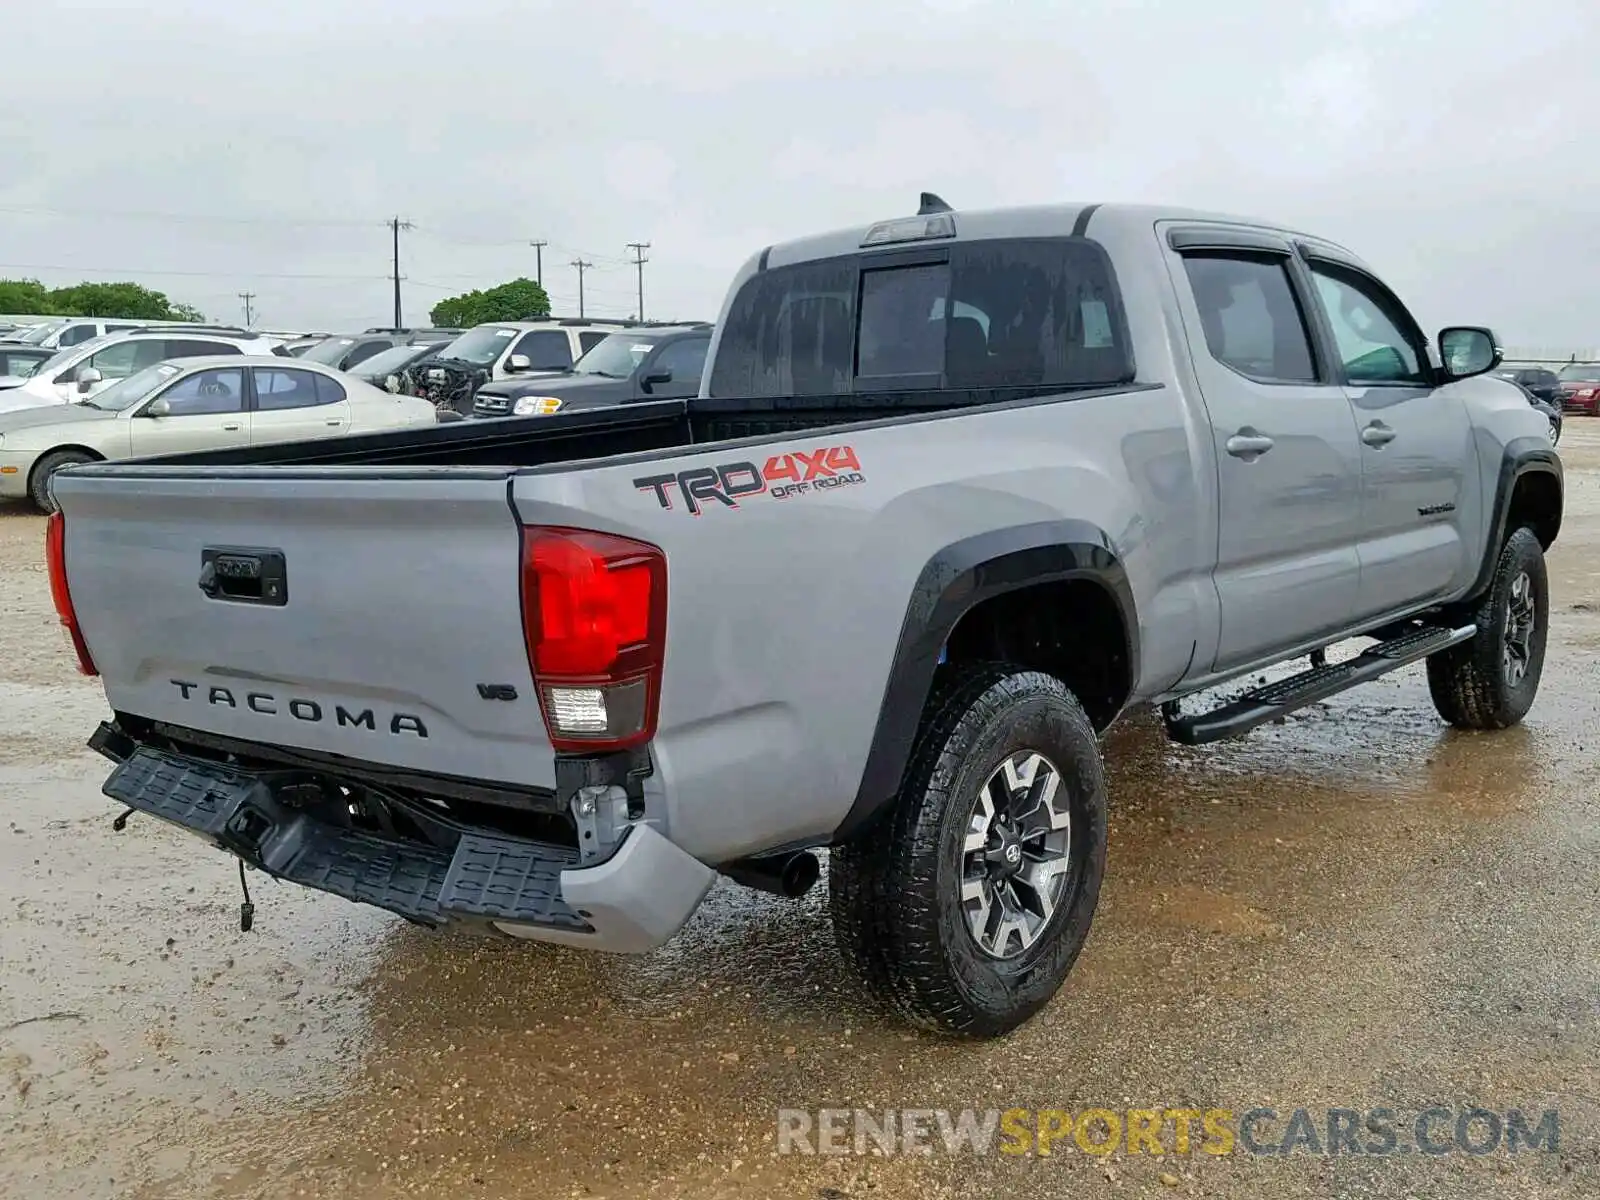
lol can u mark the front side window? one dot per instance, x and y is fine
(684, 359)
(206, 393)
(1004, 313)
(547, 349)
(1252, 321)
(278, 388)
(1376, 339)
(77, 334)
(365, 351)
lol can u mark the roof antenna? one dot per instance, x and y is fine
(932, 204)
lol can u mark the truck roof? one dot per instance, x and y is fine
(1042, 220)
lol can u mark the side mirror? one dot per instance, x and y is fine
(518, 363)
(1468, 350)
(87, 377)
(158, 408)
(654, 378)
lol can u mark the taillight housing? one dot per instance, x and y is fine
(594, 616)
(55, 559)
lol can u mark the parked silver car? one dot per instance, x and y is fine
(194, 404)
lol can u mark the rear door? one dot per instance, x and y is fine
(293, 404)
(1416, 441)
(205, 410)
(1289, 469)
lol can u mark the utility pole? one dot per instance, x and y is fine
(395, 226)
(538, 261)
(582, 267)
(639, 261)
(249, 311)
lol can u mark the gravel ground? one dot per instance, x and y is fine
(1357, 908)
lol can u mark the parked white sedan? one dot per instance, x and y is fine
(183, 404)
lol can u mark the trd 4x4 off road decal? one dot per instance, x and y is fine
(781, 477)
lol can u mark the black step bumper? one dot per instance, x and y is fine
(632, 902)
(487, 876)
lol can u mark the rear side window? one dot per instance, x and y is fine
(590, 338)
(1023, 313)
(192, 348)
(329, 390)
(284, 388)
(1252, 321)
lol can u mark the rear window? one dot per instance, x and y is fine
(1015, 313)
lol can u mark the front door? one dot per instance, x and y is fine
(293, 404)
(1416, 445)
(204, 411)
(1288, 462)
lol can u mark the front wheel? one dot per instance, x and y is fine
(41, 483)
(1490, 682)
(965, 906)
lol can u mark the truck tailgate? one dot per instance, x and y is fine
(399, 601)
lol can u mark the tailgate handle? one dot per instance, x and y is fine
(244, 576)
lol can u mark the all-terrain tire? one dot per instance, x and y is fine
(896, 889)
(1476, 685)
(39, 480)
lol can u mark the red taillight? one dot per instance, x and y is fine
(594, 615)
(55, 558)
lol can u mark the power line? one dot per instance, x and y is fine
(538, 261)
(249, 311)
(582, 267)
(132, 271)
(639, 261)
(29, 210)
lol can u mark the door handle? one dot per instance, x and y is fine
(231, 428)
(1377, 434)
(1248, 444)
(333, 422)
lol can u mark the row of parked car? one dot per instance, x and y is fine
(1574, 388)
(86, 390)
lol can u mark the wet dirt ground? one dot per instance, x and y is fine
(1358, 908)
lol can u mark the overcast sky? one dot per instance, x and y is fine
(1452, 144)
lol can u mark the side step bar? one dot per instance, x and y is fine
(1273, 700)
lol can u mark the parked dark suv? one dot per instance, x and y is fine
(659, 363)
(1544, 383)
(344, 351)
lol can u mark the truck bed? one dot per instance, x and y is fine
(626, 429)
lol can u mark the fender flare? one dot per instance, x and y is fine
(1522, 456)
(955, 580)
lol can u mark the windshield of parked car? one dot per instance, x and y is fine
(125, 393)
(396, 358)
(39, 333)
(615, 357)
(480, 346)
(329, 353)
(1579, 373)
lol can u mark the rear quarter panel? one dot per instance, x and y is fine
(784, 613)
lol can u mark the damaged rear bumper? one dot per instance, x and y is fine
(633, 901)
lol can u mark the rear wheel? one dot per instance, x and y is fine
(1491, 681)
(965, 906)
(39, 483)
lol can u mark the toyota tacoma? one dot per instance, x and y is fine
(958, 491)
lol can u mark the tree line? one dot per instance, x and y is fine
(128, 301)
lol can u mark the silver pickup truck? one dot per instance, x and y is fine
(958, 491)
